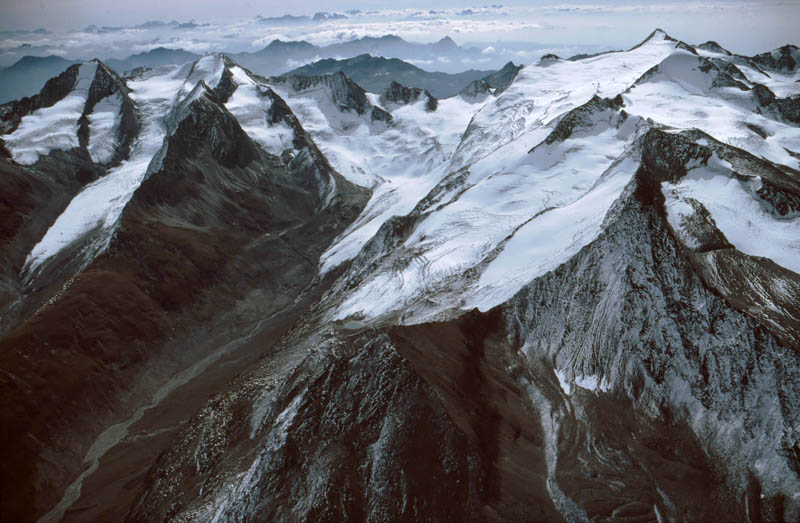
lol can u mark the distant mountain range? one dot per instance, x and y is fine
(154, 58)
(320, 16)
(392, 59)
(444, 55)
(28, 75)
(375, 74)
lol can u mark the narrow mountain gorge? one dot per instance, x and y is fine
(569, 292)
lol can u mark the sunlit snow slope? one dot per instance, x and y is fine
(538, 169)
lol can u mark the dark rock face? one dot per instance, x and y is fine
(787, 108)
(357, 435)
(107, 83)
(209, 127)
(686, 47)
(476, 89)
(346, 94)
(749, 284)
(400, 94)
(655, 356)
(31, 199)
(786, 59)
(500, 80)
(226, 86)
(665, 155)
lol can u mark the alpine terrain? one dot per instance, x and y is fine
(571, 291)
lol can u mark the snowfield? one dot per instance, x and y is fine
(736, 213)
(103, 125)
(250, 109)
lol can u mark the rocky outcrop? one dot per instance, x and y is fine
(714, 47)
(500, 80)
(402, 95)
(581, 117)
(345, 94)
(725, 73)
(477, 90)
(786, 108)
(784, 59)
(107, 83)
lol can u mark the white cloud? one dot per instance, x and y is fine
(419, 62)
(294, 64)
(742, 27)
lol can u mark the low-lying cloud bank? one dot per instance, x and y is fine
(499, 32)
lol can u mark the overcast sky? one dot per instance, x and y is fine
(744, 27)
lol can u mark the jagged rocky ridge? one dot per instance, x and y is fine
(494, 83)
(578, 301)
(400, 94)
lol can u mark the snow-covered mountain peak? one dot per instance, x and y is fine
(93, 111)
(162, 100)
(658, 35)
(343, 102)
(540, 94)
(547, 128)
(55, 127)
(713, 47)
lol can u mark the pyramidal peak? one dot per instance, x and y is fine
(658, 35)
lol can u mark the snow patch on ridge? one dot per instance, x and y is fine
(739, 216)
(103, 125)
(551, 238)
(401, 162)
(539, 95)
(538, 209)
(250, 108)
(53, 128)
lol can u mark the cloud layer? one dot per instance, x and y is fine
(521, 31)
